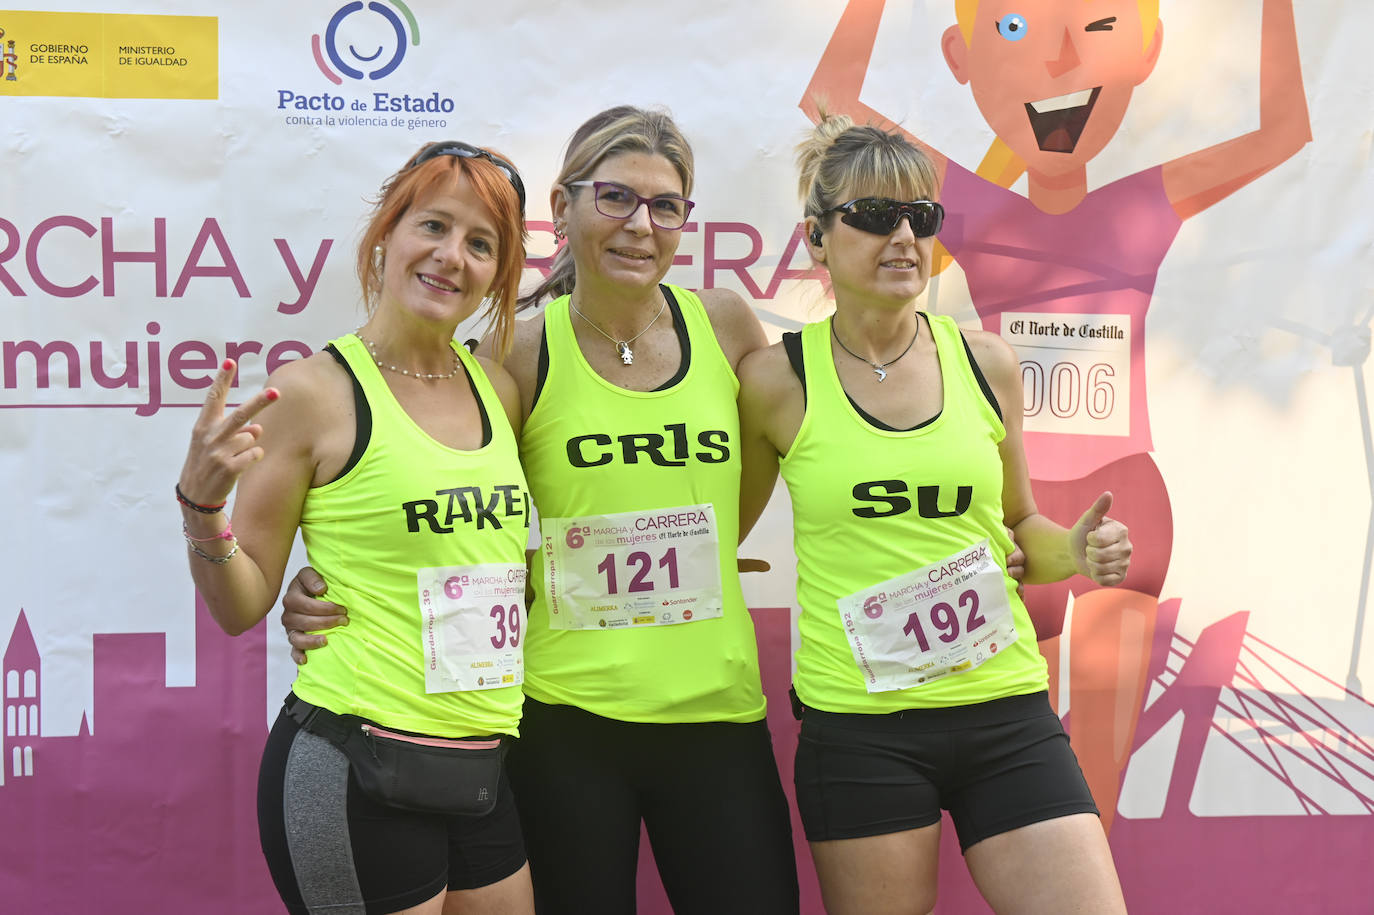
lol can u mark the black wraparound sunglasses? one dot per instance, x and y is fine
(880, 215)
(468, 151)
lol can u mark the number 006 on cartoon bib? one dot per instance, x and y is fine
(1075, 371)
(645, 568)
(471, 625)
(944, 619)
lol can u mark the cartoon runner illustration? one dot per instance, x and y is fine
(1066, 274)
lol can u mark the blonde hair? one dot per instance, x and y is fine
(841, 158)
(622, 129)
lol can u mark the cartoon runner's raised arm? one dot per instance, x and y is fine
(1000, 48)
(1197, 180)
(843, 67)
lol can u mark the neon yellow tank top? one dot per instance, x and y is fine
(408, 506)
(626, 484)
(870, 505)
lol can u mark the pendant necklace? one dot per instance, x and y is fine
(879, 368)
(622, 347)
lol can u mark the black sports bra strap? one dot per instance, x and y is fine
(982, 381)
(792, 343)
(361, 409)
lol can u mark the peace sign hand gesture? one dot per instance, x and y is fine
(223, 445)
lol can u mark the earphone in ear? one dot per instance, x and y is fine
(816, 236)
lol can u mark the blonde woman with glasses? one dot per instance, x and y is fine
(643, 698)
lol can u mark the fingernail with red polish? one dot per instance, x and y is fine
(273, 393)
(227, 364)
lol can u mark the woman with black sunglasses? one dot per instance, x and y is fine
(918, 680)
(644, 703)
(382, 786)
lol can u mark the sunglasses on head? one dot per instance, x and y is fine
(468, 151)
(880, 215)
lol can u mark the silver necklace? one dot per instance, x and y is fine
(622, 347)
(423, 376)
(879, 368)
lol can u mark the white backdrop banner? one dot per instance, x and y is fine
(185, 181)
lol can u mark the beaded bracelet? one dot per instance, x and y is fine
(226, 534)
(219, 560)
(196, 506)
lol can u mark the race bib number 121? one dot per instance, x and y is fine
(645, 568)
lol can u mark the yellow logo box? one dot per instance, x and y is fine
(108, 55)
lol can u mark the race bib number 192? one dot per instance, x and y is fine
(944, 619)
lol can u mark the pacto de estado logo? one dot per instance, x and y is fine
(365, 43)
(362, 43)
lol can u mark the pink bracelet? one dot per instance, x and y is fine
(226, 534)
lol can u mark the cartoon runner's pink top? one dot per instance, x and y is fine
(1070, 292)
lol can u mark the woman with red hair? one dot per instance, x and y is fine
(393, 451)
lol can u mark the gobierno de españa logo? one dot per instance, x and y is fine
(363, 43)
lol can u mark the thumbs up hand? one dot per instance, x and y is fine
(1101, 546)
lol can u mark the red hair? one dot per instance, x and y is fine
(435, 176)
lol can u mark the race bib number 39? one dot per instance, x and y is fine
(944, 619)
(646, 568)
(1075, 371)
(472, 626)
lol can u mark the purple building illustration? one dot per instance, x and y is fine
(22, 693)
(153, 810)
